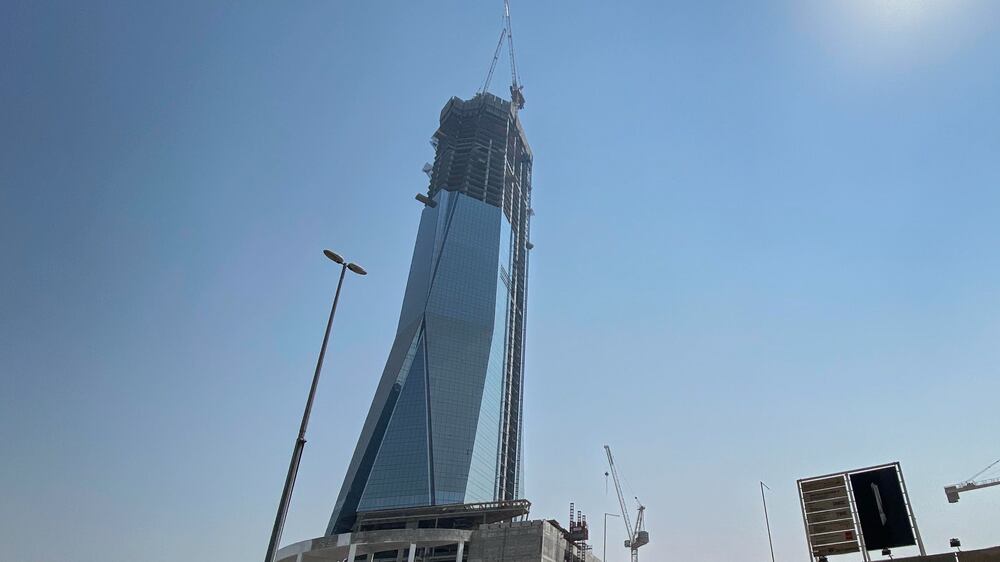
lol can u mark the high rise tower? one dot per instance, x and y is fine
(445, 424)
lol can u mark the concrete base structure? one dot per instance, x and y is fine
(984, 555)
(525, 541)
(514, 541)
(411, 545)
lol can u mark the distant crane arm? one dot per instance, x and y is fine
(621, 496)
(970, 484)
(981, 472)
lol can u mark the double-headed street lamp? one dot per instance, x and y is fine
(300, 442)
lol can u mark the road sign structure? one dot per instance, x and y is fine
(858, 511)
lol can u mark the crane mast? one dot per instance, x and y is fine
(637, 535)
(516, 89)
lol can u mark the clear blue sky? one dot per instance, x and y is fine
(765, 248)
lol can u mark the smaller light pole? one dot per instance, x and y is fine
(766, 520)
(604, 554)
(300, 442)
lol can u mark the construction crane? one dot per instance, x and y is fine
(493, 65)
(637, 535)
(516, 88)
(971, 483)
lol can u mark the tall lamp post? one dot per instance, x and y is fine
(604, 554)
(300, 442)
(766, 519)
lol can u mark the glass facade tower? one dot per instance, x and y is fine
(445, 424)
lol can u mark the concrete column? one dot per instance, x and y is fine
(461, 550)
(298, 557)
(371, 557)
(352, 552)
(413, 552)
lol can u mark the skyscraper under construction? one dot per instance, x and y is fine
(445, 426)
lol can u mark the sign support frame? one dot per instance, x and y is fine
(909, 508)
(805, 522)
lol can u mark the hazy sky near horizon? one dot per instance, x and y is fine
(766, 247)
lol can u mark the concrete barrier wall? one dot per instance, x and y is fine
(984, 555)
(947, 557)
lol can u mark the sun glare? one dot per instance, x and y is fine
(867, 33)
(897, 14)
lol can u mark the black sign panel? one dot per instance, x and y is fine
(878, 496)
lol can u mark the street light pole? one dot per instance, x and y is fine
(604, 554)
(300, 442)
(766, 520)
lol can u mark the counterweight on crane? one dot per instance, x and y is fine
(637, 534)
(970, 484)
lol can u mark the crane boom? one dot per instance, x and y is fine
(981, 472)
(621, 496)
(493, 65)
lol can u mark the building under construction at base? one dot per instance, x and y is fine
(485, 532)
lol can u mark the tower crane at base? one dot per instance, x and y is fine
(637, 534)
(970, 484)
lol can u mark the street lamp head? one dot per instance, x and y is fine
(334, 256)
(357, 269)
